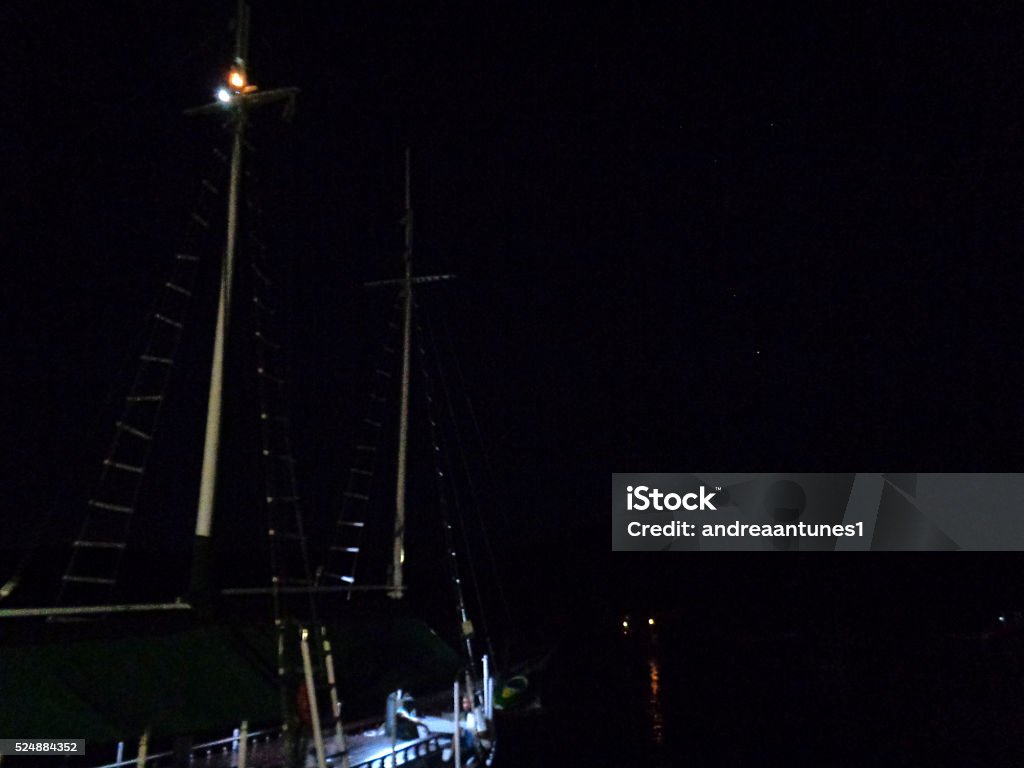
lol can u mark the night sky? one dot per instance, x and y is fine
(730, 237)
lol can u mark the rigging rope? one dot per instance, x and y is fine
(93, 568)
(439, 474)
(474, 577)
(288, 547)
(474, 494)
(343, 546)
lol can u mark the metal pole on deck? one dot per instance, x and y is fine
(487, 677)
(120, 752)
(490, 698)
(314, 714)
(339, 733)
(456, 736)
(140, 760)
(243, 743)
(392, 724)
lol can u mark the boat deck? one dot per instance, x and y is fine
(370, 749)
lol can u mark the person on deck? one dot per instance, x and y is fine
(406, 721)
(469, 725)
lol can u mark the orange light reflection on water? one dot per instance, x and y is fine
(654, 702)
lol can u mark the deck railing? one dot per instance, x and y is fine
(217, 752)
(263, 750)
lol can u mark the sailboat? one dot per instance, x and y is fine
(132, 677)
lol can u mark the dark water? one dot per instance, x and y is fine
(686, 697)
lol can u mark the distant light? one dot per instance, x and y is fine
(236, 80)
(223, 96)
(625, 625)
(1002, 618)
(651, 622)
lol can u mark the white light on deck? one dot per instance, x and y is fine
(223, 95)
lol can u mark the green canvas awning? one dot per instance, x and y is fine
(197, 680)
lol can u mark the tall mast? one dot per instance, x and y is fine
(398, 552)
(235, 99)
(211, 446)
